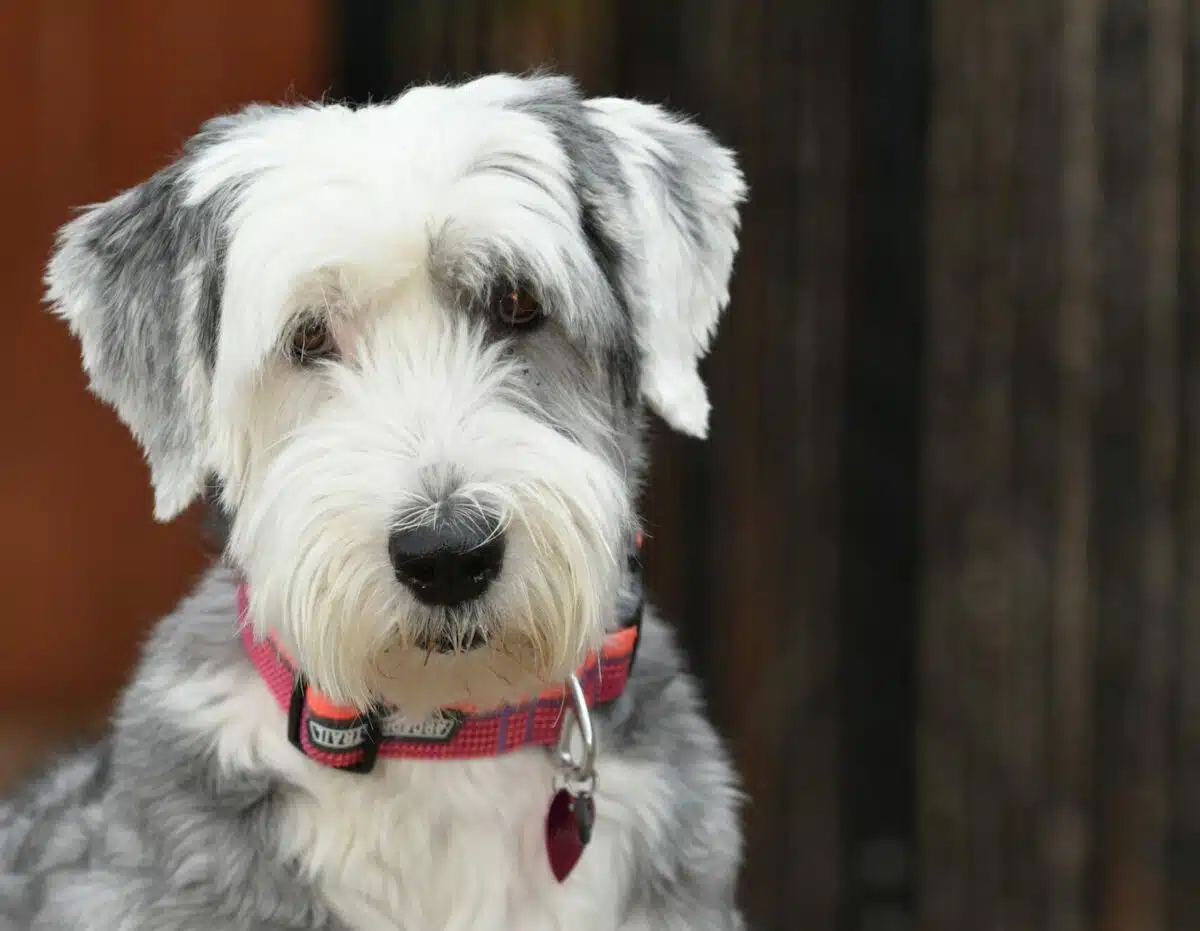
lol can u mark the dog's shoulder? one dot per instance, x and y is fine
(687, 846)
(661, 696)
(147, 828)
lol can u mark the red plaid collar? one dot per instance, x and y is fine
(348, 739)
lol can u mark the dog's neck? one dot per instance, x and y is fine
(347, 739)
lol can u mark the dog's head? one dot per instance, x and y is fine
(411, 344)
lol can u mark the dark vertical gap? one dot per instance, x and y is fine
(448, 67)
(486, 15)
(1118, 502)
(1183, 849)
(1036, 279)
(880, 563)
(806, 104)
(364, 69)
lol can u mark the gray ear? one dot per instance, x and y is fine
(139, 281)
(683, 193)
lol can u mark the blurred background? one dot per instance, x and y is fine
(939, 563)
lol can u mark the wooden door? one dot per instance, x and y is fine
(101, 93)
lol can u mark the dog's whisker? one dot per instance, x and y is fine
(495, 672)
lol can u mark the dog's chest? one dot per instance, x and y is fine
(444, 846)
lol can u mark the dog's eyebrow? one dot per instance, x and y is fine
(471, 277)
(512, 168)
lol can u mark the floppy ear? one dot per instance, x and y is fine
(683, 192)
(139, 281)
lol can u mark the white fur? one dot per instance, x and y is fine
(687, 293)
(455, 846)
(334, 456)
(318, 464)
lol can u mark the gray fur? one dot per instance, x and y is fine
(604, 200)
(142, 831)
(687, 166)
(119, 274)
(123, 262)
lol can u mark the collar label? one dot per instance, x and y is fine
(341, 737)
(337, 737)
(438, 728)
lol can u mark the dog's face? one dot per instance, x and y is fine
(410, 343)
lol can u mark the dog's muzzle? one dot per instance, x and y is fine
(449, 564)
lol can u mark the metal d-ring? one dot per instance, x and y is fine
(582, 771)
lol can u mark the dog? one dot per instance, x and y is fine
(406, 352)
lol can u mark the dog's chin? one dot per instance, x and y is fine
(449, 645)
(481, 675)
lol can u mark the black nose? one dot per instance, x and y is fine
(450, 563)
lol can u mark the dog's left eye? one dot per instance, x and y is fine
(312, 341)
(516, 307)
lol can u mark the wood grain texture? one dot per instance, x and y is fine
(1183, 862)
(1059, 483)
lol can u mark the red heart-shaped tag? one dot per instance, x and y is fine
(568, 830)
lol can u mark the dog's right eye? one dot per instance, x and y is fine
(312, 341)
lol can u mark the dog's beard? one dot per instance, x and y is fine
(314, 551)
(549, 606)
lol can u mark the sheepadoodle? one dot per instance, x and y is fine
(405, 351)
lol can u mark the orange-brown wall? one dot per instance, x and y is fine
(97, 95)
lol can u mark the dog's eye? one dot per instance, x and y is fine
(516, 307)
(311, 341)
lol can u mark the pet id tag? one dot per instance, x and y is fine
(572, 814)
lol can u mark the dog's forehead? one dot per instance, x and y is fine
(461, 183)
(423, 139)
